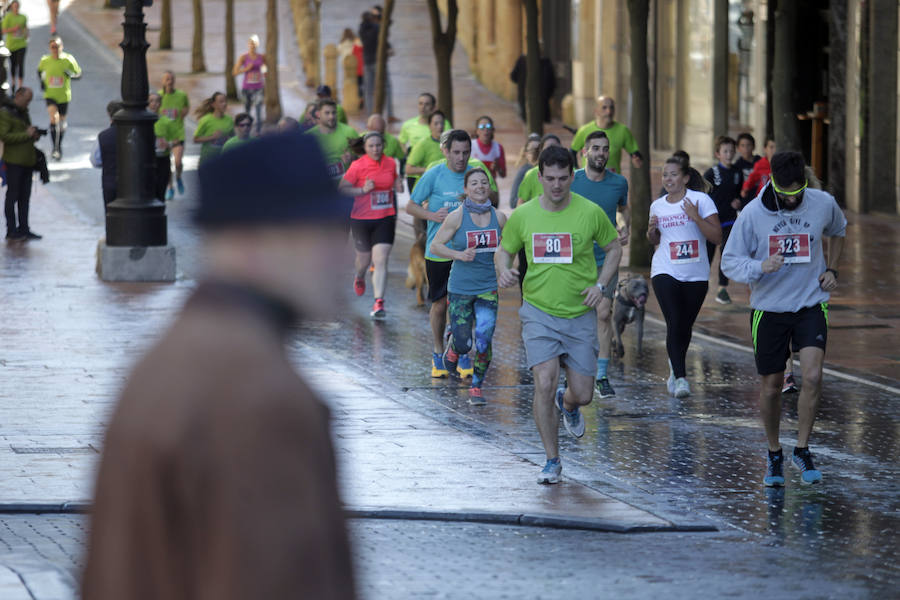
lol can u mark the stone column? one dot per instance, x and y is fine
(837, 105)
(509, 43)
(881, 137)
(720, 67)
(331, 54)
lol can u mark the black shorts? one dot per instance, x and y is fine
(438, 273)
(369, 232)
(62, 107)
(177, 143)
(775, 334)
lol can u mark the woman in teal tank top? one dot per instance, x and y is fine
(470, 236)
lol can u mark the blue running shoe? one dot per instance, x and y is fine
(802, 460)
(551, 471)
(170, 193)
(464, 366)
(438, 368)
(572, 420)
(774, 470)
(180, 185)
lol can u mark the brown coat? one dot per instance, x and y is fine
(218, 478)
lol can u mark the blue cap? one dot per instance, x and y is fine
(278, 179)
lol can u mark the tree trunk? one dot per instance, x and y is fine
(534, 105)
(198, 64)
(443, 42)
(784, 71)
(639, 246)
(230, 87)
(273, 99)
(381, 59)
(165, 26)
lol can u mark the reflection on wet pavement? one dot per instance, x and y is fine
(703, 454)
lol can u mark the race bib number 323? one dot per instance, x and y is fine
(794, 247)
(552, 248)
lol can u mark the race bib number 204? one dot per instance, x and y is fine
(553, 248)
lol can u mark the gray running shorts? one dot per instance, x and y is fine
(547, 337)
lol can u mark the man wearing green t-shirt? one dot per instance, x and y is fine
(166, 132)
(15, 30)
(56, 71)
(416, 129)
(392, 146)
(619, 135)
(175, 105)
(427, 150)
(531, 183)
(243, 125)
(334, 138)
(559, 321)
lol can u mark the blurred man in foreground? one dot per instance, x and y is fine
(218, 474)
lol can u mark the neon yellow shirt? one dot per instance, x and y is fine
(412, 131)
(564, 244)
(619, 137)
(15, 40)
(57, 73)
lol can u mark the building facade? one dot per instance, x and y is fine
(712, 65)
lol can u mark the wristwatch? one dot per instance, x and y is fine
(603, 287)
(833, 272)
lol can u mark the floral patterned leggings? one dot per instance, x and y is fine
(480, 311)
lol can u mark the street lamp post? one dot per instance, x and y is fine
(136, 247)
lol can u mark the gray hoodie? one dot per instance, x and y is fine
(761, 230)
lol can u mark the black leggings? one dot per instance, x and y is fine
(680, 302)
(17, 64)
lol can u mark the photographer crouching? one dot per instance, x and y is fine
(22, 159)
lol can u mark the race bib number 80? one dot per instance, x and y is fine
(794, 247)
(552, 248)
(483, 240)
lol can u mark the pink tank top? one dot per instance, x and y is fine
(253, 79)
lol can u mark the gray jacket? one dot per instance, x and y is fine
(761, 230)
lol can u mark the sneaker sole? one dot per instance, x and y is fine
(682, 394)
(378, 316)
(773, 483)
(463, 373)
(602, 395)
(548, 479)
(723, 301)
(475, 401)
(439, 374)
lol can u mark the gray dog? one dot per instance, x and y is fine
(631, 295)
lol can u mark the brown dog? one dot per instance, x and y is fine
(415, 272)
